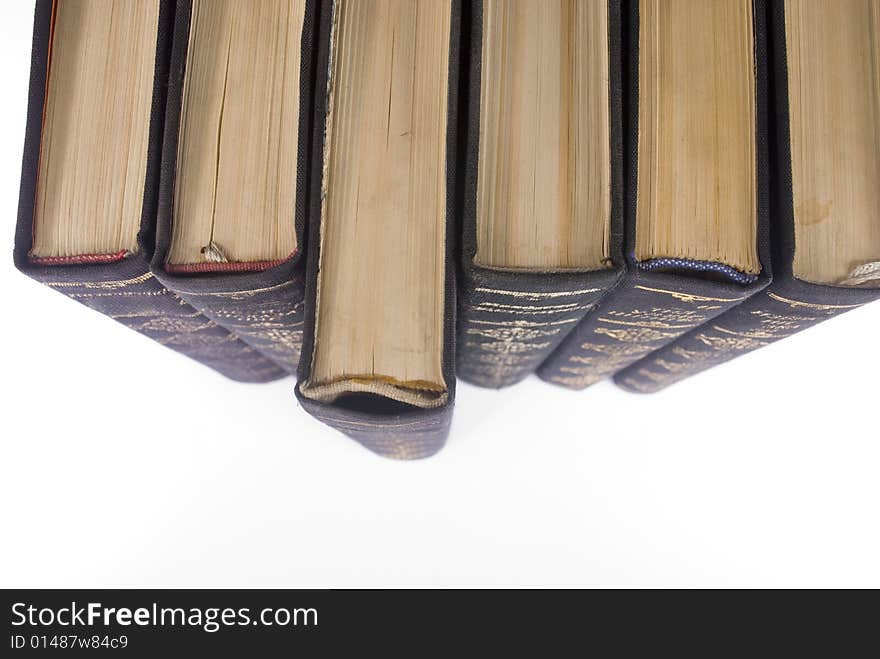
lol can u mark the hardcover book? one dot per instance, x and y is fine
(826, 233)
(232, 200)
(378, 350)
(90, 175)
(696, 204)
(542, 224)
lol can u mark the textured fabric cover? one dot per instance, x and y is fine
(125, 289)
(647, 311)
(787, 306)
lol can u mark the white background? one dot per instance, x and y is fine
(124, 463)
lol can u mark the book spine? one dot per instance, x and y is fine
(128, 293)
(411, 434)
(645, 313)
(510, 323)
(267, 316)
(779, 311)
